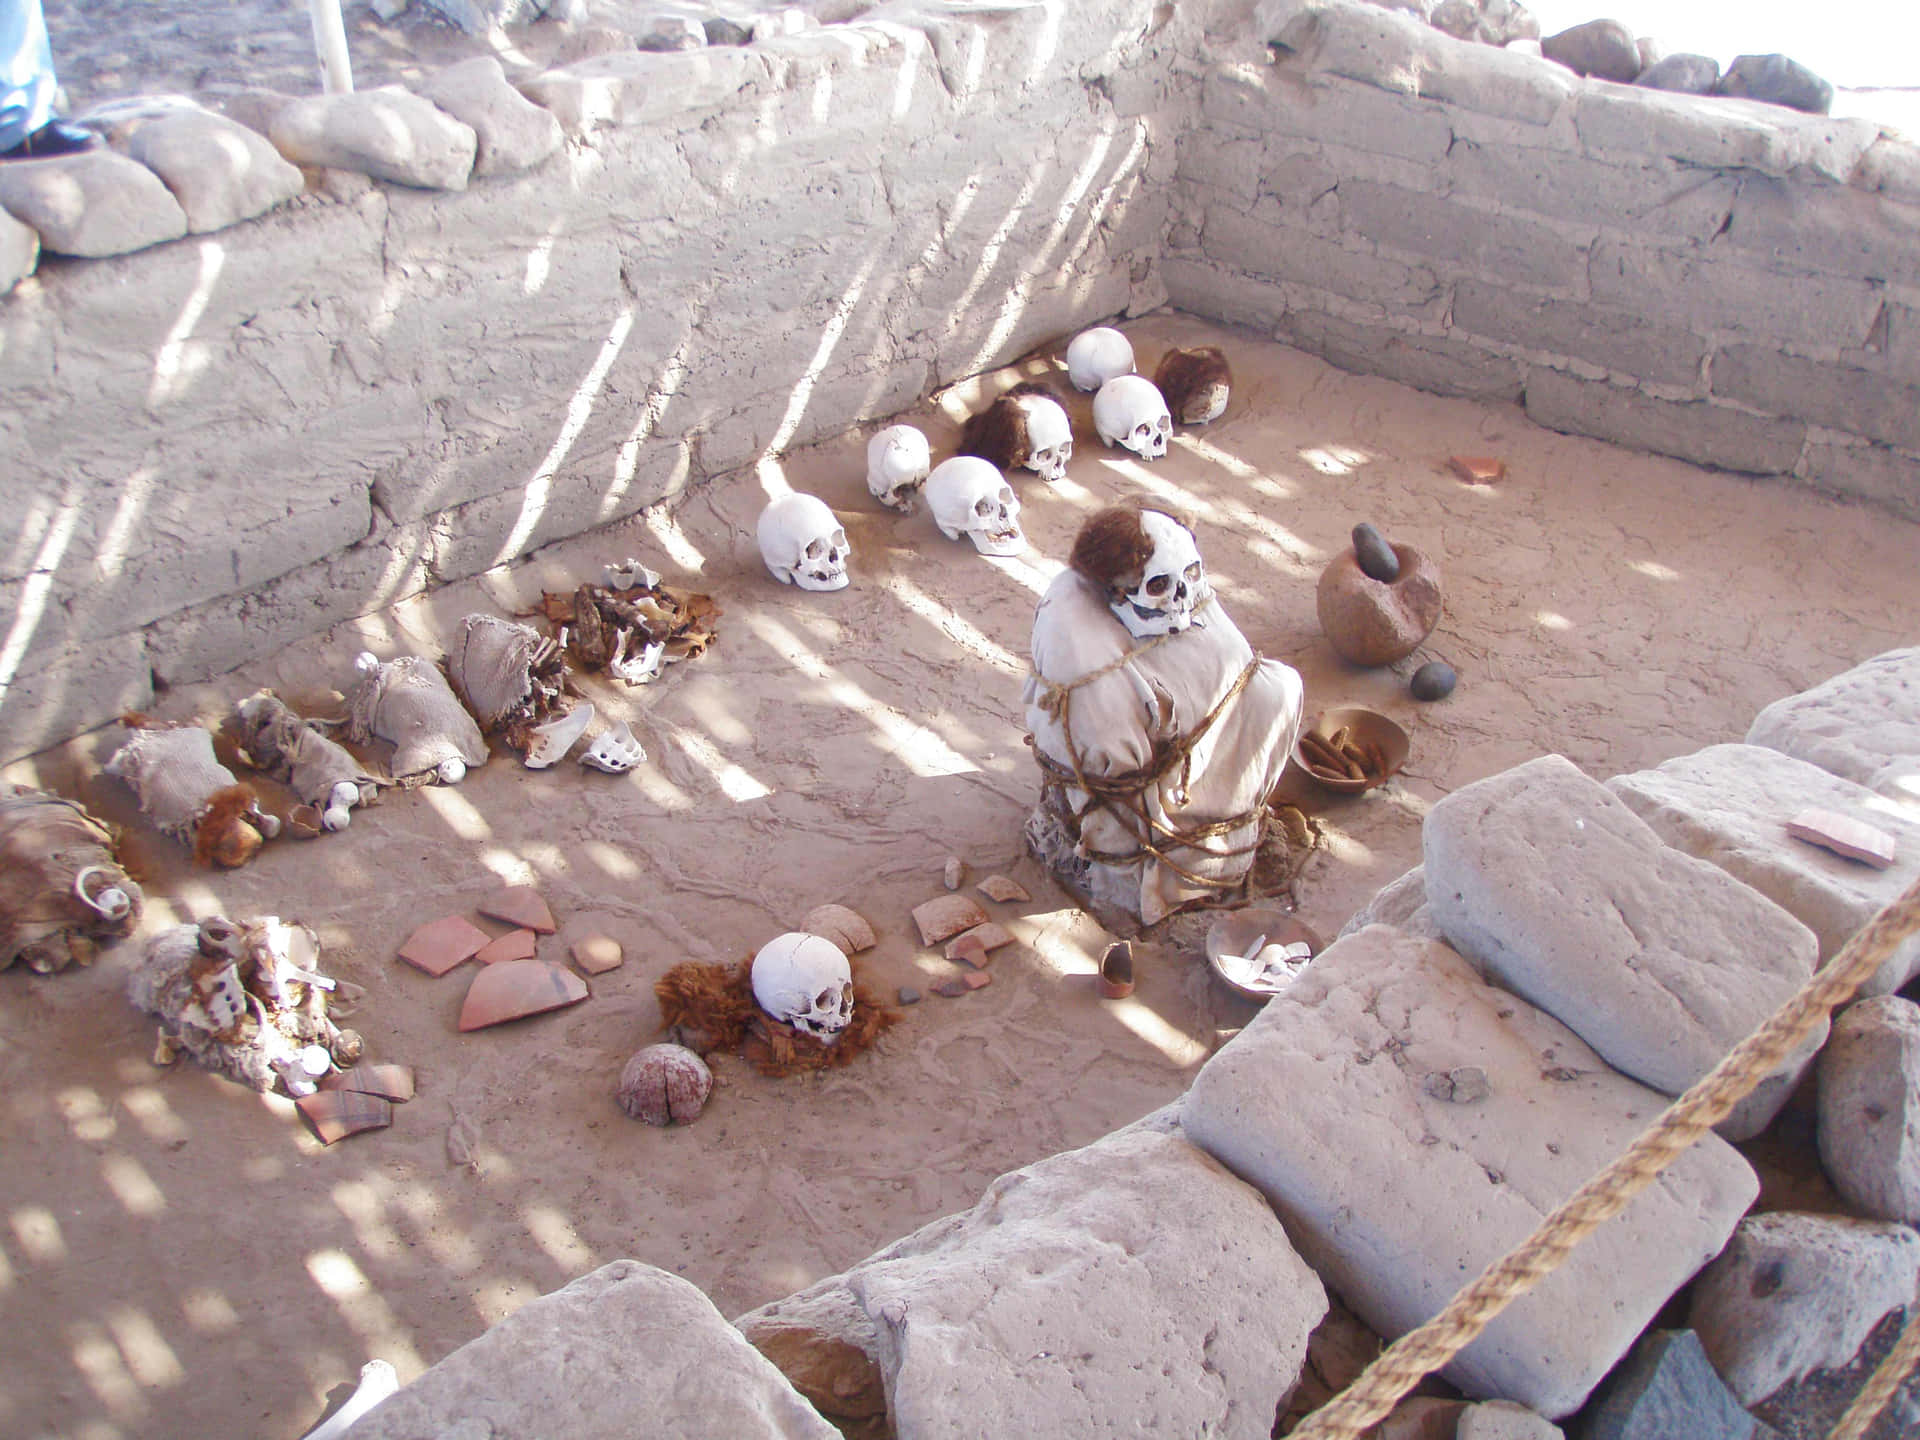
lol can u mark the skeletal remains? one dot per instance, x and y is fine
(408, 703)
(805, 981)
(185, 791)
(1095, 356)
(321, 772)
(969, 496)
(61, 890)
(897, 464)
(1130, 413)
(1195, 383)
(1026, 428)
(803, 544)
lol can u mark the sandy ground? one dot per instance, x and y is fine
(178, 1257)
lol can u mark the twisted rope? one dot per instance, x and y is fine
(1426, 1349)
(1887, 1377)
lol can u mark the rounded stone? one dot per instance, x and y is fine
(665, 1084)
(1375, 555)
(1369, 622)
(1778, 80)
(1433, 681)
(1684, 74)
(1604, 49)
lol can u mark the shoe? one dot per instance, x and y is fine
(52, 139)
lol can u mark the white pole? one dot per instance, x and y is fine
(330, 40)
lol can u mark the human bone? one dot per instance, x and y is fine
(803, 543)
(638, 668)
(1026, 428)
(1172, 582)
(805, 981)
(615, 750)
(1130, 413)
(322, 772)
(1095, 356)
(630, 574)
(969, 496)
(185, 791)
(61, 891)
(1195, 383)
(665, 1083)
(378, 1380)
(408, 703)
(551, 741)
(897, 464)
(1049, 437)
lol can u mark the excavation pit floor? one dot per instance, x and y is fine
(179, 1256)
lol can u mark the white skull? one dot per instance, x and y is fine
(1096, 356)
(1049, 437)
(969, 496)
(1173, 583)
(897, 464)
(805, 981)
(803, 543)
(1130, 412)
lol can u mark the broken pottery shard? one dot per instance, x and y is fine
(519, 905)
(945, 916)
(846, 928)
(516, 988)
(999, 887)
(439, 945)
(1478, 469)
(303, 823)
(389, 1082)
(981, 938)
(514, 945)
(336, 1114)
(597, 954)
(976, 979)
(1844, 835)
(967, 949)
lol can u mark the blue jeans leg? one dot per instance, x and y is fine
(26, 71)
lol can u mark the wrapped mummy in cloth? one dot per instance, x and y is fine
(408, 703)
(1159, 731)
(187, 792)
(321, 772)
(61, 891)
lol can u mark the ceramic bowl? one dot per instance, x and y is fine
(1371, 731)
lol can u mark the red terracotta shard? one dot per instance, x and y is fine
(945, 916)
(976, 979)
(1478, 469)
(517, 988)
(439, 945)
(597, 954)
(1844, 835)
(967, 949)
(519, 905)
(514, 945)
(389, 1082)
(335, 1114)
(846, 928)
(1002, 889)
(981, 938)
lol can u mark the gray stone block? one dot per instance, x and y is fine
(1429, 362)
(1716, 295)
(1792, 226)
(72, 689)
(623, 1341)
(1730, 804)
(1603, 49)
(1644, 195)
(511, 133)
(1457, 236)
(1699, 431)
(1778, 80)
(1862, 725)
(1842, 397)
(1667, 1388)
(389, 133)
(1622, 340)
(91, 205)
(1869, 1108)
(220, 171)
(1720, 134)
(1412, 1194)
(1659, 961)
(1360, 118)
(1890, 478)
(1292, 253)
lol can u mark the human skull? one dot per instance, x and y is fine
(1130, 412)
(969, 496)
(803, 543)
(1173, 583)
(897, 464)
(1049, 437)
(1096, 356)
(805, 981)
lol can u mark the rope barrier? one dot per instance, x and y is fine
(1429, 1347)
(1886, 1378)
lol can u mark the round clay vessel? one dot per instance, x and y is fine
(1372, 623)
(665, 1084)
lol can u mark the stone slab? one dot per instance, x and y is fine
(1667, 1388)
(510, 131)
(1411, 1195)
(91, 205)
(1620, 340)
(1660, 961)
(1733, 805)
(388, 133)
(623, 1341)
(1869, 1108)
(220, 171)
(1862, 725)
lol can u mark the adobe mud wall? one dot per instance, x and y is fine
(218, 445)
(1732, 283)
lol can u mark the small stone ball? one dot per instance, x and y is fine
(1433, 681)
(1376, 557)
(663, 1084)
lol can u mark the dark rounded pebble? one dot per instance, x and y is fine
(1433, 681)
(909, 995)
(1375, 555)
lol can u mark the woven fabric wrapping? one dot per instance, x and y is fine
(491, 666)
(292, 751)
(172, 773)
(45, 842)
(409, 703)
(1198, 724)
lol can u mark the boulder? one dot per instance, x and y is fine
(1667, 1389)
(626, 1340)
(1421, 1185)
(1777, 80)
(1730, 804)
(94, 204)
(1036, 1311)
(668, 32)
(1400, 903)
(19, 251)
(1504, 1420)
(511, 133)
(1661, 962)
(1863, 725)
(1683, 74)
(1374, 622)
(220, 171)
(1603, 49)
(1796, 1293)
(1869, 1108)
(387, 133)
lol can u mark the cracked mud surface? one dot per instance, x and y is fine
(181, 1258)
